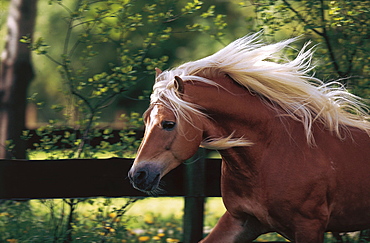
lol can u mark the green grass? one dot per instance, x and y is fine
(95, 220)
(62, 154)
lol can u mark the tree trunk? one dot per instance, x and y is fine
(15, 75)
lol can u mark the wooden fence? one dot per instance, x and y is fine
(78, 178)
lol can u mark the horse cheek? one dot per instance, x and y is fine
(185, 147)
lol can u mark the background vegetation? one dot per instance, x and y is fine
(94, 64)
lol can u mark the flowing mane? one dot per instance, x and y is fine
(284, 84)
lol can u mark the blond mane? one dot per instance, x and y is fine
(286, 84)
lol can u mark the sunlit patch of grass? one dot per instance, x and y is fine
(149, 220)
(68, 154)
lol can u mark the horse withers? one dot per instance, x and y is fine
(295, 151)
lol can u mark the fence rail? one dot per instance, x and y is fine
(78, 178)
(74, 178)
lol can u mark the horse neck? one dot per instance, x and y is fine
(234, 110)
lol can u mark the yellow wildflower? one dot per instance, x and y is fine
(161, 235)
(172, 240)
(144, 238)
(148, 219)
(156, 238)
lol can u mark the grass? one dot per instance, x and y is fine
(59, 154)
(150, 220)
(95, 220)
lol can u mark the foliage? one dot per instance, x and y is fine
(96, 220)
(99, 220)
(341, 25)
(134, 29)
(106, 222)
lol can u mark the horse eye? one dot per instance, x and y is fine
(168, 125)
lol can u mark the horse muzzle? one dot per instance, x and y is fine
(145, 177)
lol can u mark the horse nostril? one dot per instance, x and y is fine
(141, 175)
(145, 178)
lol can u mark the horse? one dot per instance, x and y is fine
(295, 150)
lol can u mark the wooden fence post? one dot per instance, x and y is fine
(195, 198)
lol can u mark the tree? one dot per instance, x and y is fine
(15, 75)
(134, 30)
(342, 27)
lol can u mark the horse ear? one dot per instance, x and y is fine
(157, 72)
(179, 84)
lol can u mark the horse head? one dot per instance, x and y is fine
(168, 141)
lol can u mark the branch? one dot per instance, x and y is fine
(68, 35)
(70, 25)
(65, 7)
(323, 34)
(82, 98)
(53, 60)
(301, 17)
(108, 100)
(85, 136)
(328, 43)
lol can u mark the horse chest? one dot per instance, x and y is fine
(241, 207)
(241, 198)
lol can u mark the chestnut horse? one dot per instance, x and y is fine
(295, 151)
